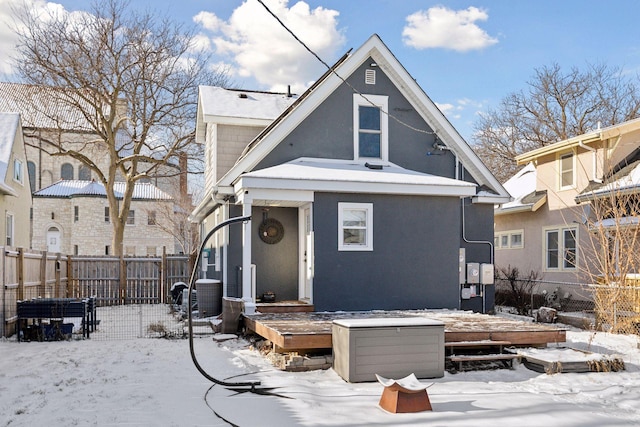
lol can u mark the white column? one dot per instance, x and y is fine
(246, 253)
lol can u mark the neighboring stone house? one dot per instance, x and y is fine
(72, 217)
(15, 196)
(553, 223)
(50, 121)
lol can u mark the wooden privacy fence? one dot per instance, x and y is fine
(35, 274)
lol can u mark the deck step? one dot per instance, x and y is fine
(472, 344)
(507, 359)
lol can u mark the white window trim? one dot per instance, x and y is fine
(510, 233)
(560, 229)
(573, 170)
(131, 215)
(10, 239)
(18, 171)
(368, 208)
(381, 102)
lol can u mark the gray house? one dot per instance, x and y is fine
(361, 193)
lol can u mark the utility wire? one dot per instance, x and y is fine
(340, 77)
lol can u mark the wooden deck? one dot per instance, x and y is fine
(307, 331)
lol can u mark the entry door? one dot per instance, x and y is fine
(53, 240)
(306, 254)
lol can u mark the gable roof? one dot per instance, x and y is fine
(78, 188)
(613, 131)
(378, 51)
(9, 128)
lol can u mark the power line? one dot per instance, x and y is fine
(332, 70)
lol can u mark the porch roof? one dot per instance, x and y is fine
(306, 175)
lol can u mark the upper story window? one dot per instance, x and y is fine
(107, 218)
(151, 218)
(355, 226)
(18, 173)
(370, 127)
(31, 170)
(66, 171)
(84, 173)
(567, 171)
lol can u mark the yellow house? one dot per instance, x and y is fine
(15, 193)
(555, 222)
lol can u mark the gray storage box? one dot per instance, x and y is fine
(391, 347)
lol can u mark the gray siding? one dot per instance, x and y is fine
(328, 131)
(414, 264)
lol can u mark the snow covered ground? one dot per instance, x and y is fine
(153, 382)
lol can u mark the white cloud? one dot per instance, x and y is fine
(261, 48)
(440, 27)
(9, 23)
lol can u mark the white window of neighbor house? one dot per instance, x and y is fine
(18, 173)
(561, 252)
(131, 217)
(9, 229)
(370, 127)
(567, 170)
(355, 226)
(512, 239)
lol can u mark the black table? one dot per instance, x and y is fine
(59, 308)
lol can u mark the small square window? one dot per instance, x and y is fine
(516, 240)
(355, 226)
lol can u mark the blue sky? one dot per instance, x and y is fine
(466, 55)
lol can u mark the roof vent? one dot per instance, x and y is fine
(370, 77)
(243, 96)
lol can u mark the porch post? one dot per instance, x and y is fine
(246, 253)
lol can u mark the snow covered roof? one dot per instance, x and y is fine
(522, 187)
(79, 188)
(238, 107)
(351, 176)
(9, 125)
(244, 104)
(624, 181)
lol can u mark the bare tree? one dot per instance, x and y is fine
(613, 252)
(555, 106)
(131, 78)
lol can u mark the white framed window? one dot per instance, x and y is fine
(561, 248)
(9, 229)
(511, 239)
(355, 226)
(567, 169)
(18, 173)
(370, 127)
(131, 217)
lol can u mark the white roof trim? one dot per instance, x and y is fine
(409, 88)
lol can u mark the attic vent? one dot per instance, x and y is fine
(243, 96)
(370, 77)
